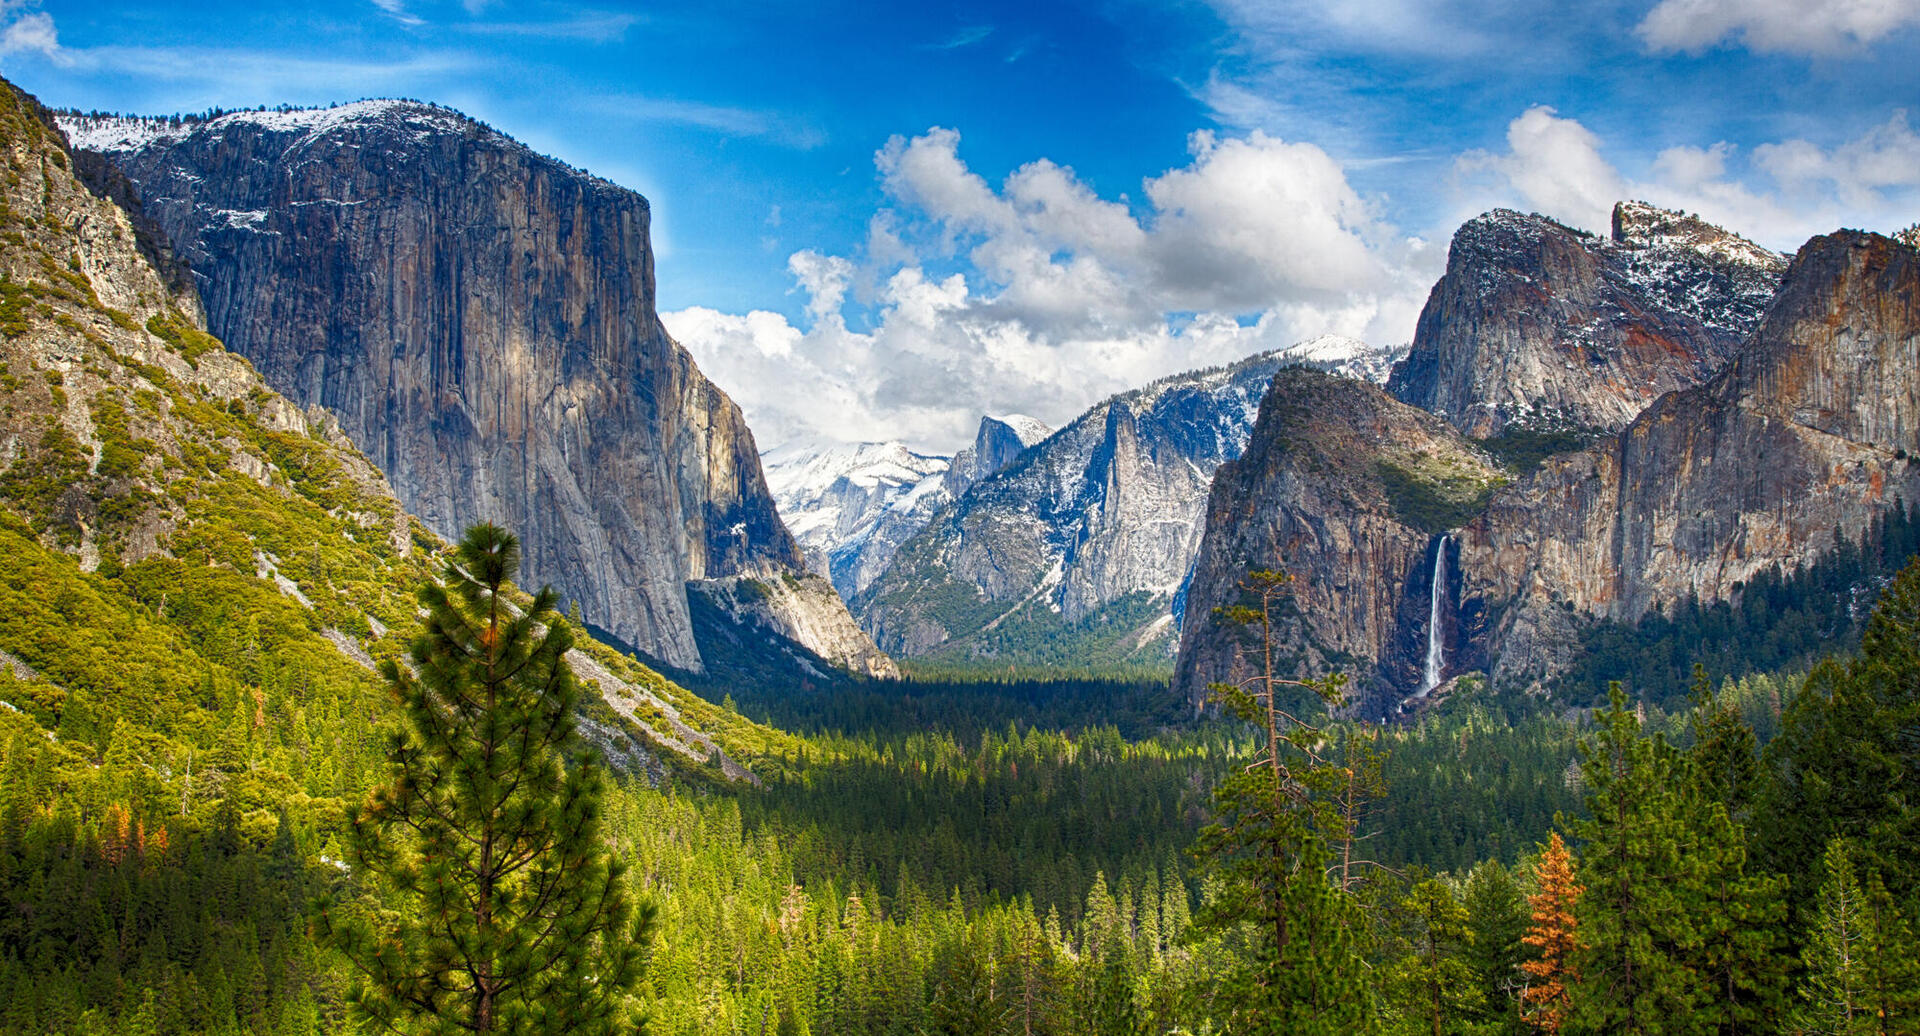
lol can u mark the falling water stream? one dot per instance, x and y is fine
(1436, 644)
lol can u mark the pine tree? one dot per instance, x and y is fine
(1555, 939)
(1862, 971)
(1269, 848)
(1497, 917)
(517, 920)
(1433, 984)
(1739, 917)
(1645, 878)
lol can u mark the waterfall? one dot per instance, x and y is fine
(1436, 643)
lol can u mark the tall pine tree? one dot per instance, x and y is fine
(1555, 939)
(515, 918)
(1269, 848)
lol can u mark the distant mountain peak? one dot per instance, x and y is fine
(1637, 224)
(1538, 324)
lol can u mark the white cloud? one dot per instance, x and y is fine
(1885, 157)
(1807, 27)
(28, 31)
(1554, 164)
(1068, 296)
(589, 26)
(1791, 189)
(397, 10)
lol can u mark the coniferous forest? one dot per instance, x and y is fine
(277, 758)
(1740, 863)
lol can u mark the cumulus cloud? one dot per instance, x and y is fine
(27, 31)
(1790, 189)
(1066, 297)
(1808, 27)
(1554, 164)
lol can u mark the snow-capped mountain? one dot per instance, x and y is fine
(1078, 549)
(852, 506)
(1349, 357)
(834, 500)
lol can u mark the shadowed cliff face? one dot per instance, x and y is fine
(1807, 434)
(1539, 325)
(1347, 489)
(482, 320)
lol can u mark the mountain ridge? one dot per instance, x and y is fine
(482, 320)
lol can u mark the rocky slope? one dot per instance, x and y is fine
(1807, 435)
(851, 507)
(183, 540)
(1349, 490)
(1542, 326)
(482, 321)
(995, 444)
(1804, 436)
(1076, 553)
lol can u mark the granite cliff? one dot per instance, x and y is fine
(1804, 435)
(180, 538)
(1349, 490)
(1544, 327)
(851, 507)
(1076, 553)
(482, 322)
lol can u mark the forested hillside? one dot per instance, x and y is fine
(212, 636)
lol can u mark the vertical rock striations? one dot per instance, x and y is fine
(1076, 553)
(1348, 489)
(1542, 326)
(1804, 438)
(482, 320)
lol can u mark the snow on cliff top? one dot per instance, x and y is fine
(799, 473)
(130, 133)
(1028, 430)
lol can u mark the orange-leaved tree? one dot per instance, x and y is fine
(1553, 936)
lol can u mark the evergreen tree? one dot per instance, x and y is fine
(1433, 985)
(1862, 961)
(1555, 939)
(517, 919)
(1846, 764)
(1299, 970)
(1497, 918)
(1639, 912)
(1740, 917)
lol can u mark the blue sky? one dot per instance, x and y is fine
(880, 220)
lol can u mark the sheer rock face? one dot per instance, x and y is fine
(1804, 437)
(1538, 325)
(851, 507)
(995, 444)
(1109, 506)
(482, 320)
(1313, 496)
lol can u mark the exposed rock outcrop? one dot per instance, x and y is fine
(1807, 435)
(1080, 548)
(1348, 490)
(997, 442)
(1542, 326)
(482, 320)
